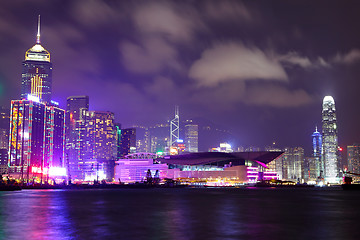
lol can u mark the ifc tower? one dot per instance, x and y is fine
(330, 141)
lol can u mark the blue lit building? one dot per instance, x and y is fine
(317, 168)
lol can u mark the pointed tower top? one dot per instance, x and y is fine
(38, 32)
(316, 129)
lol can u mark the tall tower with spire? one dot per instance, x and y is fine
(36, 78)
(330, 141)
(175, 127)
(317, 147)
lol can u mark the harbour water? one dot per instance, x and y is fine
(313, 213)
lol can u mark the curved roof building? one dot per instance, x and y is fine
(221, 159)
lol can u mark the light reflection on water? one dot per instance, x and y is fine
(180, 214)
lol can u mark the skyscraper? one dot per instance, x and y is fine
(330, 141)
(36, 138)
(316, 167)
(37, 72)
(354, 158)
(37, 124)
(175, 127)
(101, 137)
(76, 145)
(191, 137)
(128, 141)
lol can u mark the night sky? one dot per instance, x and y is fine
(257, 68)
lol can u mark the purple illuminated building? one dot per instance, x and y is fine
(36, 138)
(37, 124)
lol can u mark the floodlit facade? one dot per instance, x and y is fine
(36, 78)
(134, 167)
(329, 141)
(37, 139)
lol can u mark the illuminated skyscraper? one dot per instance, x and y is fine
(101, 137)
(330, 141)
(191, 137)
(37, 124)
(36, 138)
(317, 143)
(315, 164)
(37, 72)
(175, 127)
(76, 145)
(354, 158)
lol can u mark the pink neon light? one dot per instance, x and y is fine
(262, 164)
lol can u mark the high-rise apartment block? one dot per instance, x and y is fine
(330, 141)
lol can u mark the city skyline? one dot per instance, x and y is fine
(129, 60)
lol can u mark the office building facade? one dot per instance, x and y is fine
(191, 137)
(37, 139)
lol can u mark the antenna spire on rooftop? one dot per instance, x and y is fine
(38, 32)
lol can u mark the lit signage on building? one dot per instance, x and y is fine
(33, 98)
(54, 102)
(52, 171)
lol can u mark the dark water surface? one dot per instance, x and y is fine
(320, 213)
